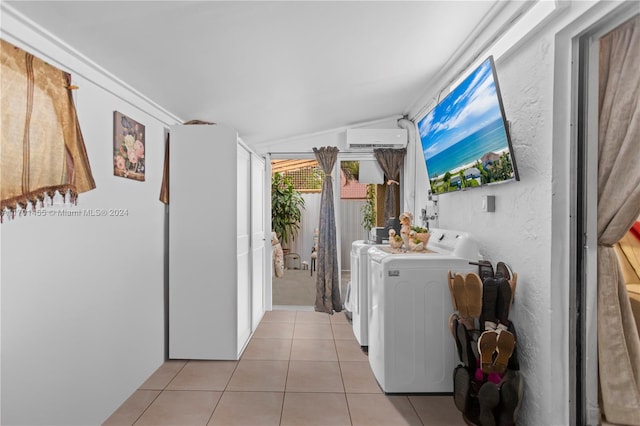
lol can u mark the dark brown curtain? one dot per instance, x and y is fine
(164, 190)
(327, 284)
(618, 208)
(42, 149)
(390, 161)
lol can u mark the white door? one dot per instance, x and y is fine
(244, 246)
(258, 239)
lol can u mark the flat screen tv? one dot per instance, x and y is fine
(465, 138)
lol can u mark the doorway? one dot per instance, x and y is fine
(583, 291)
(295, 177)
(296, 289)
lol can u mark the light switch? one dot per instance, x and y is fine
(489, 203)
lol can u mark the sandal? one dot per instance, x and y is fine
(488, 397)
(485, 269)
(503, 271)
(487, 344)
(461, 388)
(513, 283)
(489, 300)
(450, 278)
(467, 357)
(510, 398)
(503, 301)
(460, 295)
(505, 345)
(474, 292)
(453, 328)
(513, 364)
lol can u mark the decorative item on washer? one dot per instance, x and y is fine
(395, 240)
(411, 238)
(487, 385)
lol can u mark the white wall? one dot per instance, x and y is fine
(351, 229)
(530, 227)
(83, 297)
(332, 137)
(308, 223)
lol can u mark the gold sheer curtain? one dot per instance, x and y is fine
(42, 150)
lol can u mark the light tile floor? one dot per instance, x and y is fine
(300, 368)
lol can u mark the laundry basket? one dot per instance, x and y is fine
(292, 261)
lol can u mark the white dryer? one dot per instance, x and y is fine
(410, 347)
(360, 296)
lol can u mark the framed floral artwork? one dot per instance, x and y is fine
(128, 147)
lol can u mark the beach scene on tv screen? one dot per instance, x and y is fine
(464, 140)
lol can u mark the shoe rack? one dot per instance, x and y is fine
(487, 383)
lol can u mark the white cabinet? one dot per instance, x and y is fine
(216, 243)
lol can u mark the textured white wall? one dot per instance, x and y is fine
(530, 227)
(83, 297)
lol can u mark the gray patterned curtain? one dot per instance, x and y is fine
(390, 161)
(618, 208)
(327, 284)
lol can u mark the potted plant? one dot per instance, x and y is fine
(368, 210)
(286, 208)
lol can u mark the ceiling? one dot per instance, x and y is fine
(272, 70)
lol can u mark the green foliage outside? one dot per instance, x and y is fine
(368, 210)
(286, 208)
(351, 170)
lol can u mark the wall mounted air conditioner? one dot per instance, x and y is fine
(376, 138)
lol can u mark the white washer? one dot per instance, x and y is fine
(410, 347)
(360, 295)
